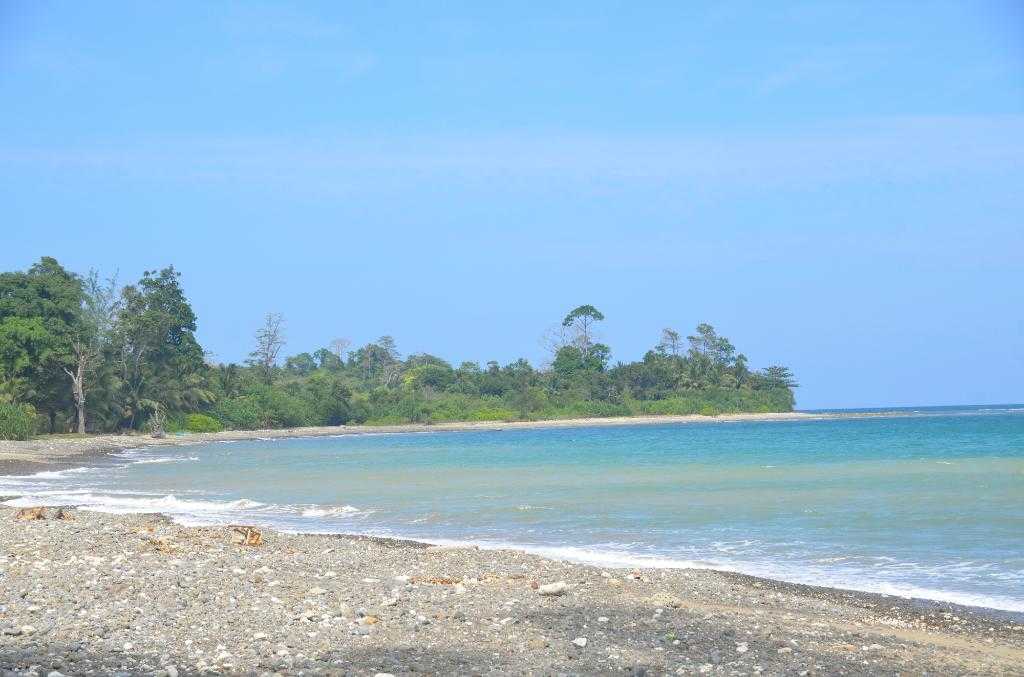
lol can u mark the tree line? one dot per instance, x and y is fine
(79, 353)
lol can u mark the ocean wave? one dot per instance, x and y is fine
(320, 511)
(164, 459)
(106, 502)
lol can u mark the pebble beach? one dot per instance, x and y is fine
(93, 593)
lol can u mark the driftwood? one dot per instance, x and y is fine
(64, 514)
(26, 514)
(246, 535)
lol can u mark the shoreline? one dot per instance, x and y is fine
(63, 453)
(58, 453)
(139, 593)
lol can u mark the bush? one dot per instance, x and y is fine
(201, 423)
(238, 413)
(17, 421)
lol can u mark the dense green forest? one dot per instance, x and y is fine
(78, 353)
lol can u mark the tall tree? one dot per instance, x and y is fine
(580, 321)
(160, 363)
(91, 337)
(269, 342)
(779, 377)
(39, 312)
(670, 342)
(339, 346)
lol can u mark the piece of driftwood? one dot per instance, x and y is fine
(64, 514)
(26, 514)
(246, 535)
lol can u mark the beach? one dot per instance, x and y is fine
(92, 592)
(136, 594)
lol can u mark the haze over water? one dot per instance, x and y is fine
(927, 504)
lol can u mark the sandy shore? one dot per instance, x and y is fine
(65, 451)
(136, 594)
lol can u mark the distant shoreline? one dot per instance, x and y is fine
(49, 453)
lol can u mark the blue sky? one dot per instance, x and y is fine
(835, 186)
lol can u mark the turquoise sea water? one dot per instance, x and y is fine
(927, 504)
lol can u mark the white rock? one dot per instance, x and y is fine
(580, 642)
(558, 588)
(316, 591)
(602, 619)
(459, 589)
(742, 647)
(403, 579)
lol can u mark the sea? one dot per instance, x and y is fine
(920, 502)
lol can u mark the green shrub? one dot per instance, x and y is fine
(17, 421)
(238, 413)
(201, 423)
(175, 424)
(709, 410)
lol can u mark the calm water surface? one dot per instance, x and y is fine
(927, 504)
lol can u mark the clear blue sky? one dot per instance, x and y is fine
(836, 187)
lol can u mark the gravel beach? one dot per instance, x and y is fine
(136, 594)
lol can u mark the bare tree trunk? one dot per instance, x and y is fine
(78, 391)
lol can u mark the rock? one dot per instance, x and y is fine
(742, 647)
(344, 610)
(580, 642)
(784, 649)
(13, 632)
(54, 673)
(317, 591)
(663, 599)
(389, 601)
(403, 579)
(602, 619)
(27, 630)
(553, 589)
(714, 657)
(459, 589)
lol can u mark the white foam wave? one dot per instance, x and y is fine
(132, 504)
(318, 511)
